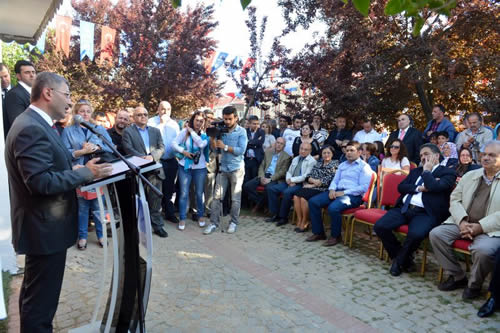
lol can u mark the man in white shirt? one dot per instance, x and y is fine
(169, 130)
(291, 133)
(367, 134)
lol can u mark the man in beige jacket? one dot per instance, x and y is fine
(475, 215)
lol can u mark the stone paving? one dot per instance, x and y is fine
(265, 278)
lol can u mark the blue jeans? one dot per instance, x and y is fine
(335, 208)
(198, 176)
(84, 206)
(273, 193)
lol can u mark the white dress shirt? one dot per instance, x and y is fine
(25, 86)
(371, 136)
(42, 114)
(416, 199)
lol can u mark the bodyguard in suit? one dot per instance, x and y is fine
(411, 137)
(272, 170)
(44, 210)
(18, 98)
(5, 87)
(146, 141)
(255, 153)
(422, 205)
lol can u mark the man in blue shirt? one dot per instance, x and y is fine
(346, 190)
(231, 170)
(438, 124)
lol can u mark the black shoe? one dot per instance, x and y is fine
(161, 232)
(410, 267)
(282, 222)
(194, 217)
(451, 284)
(172, 219)
(470, 294)
(273, 218)
(488, 308)
(396, 269)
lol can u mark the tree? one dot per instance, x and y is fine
(375, 64)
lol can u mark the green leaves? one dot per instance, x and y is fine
(176, 3)
(363, 6)
(419, 23)
(245, 3)
(394, 7)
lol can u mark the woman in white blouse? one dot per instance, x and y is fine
(192, 150)
(269, 140)
(397, 156)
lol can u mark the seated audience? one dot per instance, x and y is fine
(343, 145)
(475, 215)
(191, 144)
(367, 134)
(306, 134)
(346, 190)
(475, 136)
(269, 138)
(397, 157)
(274, 128)
(339, 134)
(433, 138)
(295, 177)
(493, 302)
(272, 171)
(319, 133)
(422, 205)
(439, 123)
(316, 182)
(380, 150)
(284, 122)
(369, 152)
(465, 163)
(448, 150)
(291, 133)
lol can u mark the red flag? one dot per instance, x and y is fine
(273, 69)
(63, 33)
(232, 95)
(107, 42)
(209, 61)
(246, 67)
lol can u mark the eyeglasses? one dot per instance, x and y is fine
(141, 115)
(68, 95)
(395, 147)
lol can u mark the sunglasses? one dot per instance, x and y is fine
(395, 147)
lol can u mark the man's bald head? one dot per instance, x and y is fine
(164, 108)
(305, 149)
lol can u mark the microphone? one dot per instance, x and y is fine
(79, 120)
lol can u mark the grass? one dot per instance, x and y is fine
(6, 279)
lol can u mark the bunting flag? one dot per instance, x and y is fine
(219, 61)
(235, 64)
(107, 42)
(246, 67)
(63, 33)
(231, 94)
(273, 69)
(40, 45)
(86, 40)
(209, 61)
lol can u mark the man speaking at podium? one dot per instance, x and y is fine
(43, 203)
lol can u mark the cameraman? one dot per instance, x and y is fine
(231, 169)
(191, 145)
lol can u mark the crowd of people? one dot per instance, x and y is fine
(299, 164)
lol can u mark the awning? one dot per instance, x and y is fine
(24, 21)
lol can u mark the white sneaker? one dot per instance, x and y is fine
(182, 225)
(209, 229)
(201, 223)
(232, 228)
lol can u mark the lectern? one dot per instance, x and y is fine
(123, 205)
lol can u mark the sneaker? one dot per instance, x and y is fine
(209, 229)
(201, 223)
(182, 225)
(232, 228)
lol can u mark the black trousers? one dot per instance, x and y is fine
(495, 278)
(170, 168)
(39, 296)
(419, 226)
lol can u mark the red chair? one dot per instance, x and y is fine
(260, 189)
(460, 246)
(389, 197)
(413, 165)
(403, 231)
(348, 214)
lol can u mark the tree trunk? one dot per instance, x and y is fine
(425, 101)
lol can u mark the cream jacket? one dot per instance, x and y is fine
(461, 199)
(307, 166)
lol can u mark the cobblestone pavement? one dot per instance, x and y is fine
(265, 278)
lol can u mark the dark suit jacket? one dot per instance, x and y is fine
(16, 101)
(341, 135)
(439, 184)
(256, 144)
(282, 165)
(412, 140)
(133, 144)
(44, 207)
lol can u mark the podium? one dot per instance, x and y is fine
(124, 207)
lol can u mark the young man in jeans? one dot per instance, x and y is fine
(231, 170)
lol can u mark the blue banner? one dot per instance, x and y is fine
(219, 61)
(236, 64)
(86, 40)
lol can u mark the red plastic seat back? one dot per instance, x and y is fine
(369, 193)
(390, 193)
(413, 165)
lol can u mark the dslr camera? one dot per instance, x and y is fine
(217, 129)
(196, 157)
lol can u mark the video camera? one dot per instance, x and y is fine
(217, 129)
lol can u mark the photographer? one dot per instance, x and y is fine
(232, 142)
(192, 150)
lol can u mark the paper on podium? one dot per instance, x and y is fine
(120, 166)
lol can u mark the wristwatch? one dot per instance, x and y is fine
(226, 147)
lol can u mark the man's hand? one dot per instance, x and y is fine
(471, 140)
(422, 188)
(332, 194)
(291, 184)
(463, 225)
(339, 194)
(308, 185)
(264, 181)
(338, 142)
(288, 181)
(78, 166)
(220, 144)
(429, 163)
(466, 144)
(99, 170)
(429, 133)
(148, 157)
